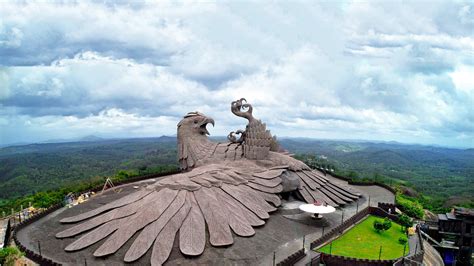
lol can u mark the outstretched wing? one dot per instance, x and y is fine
(222, 198)
(315, 186)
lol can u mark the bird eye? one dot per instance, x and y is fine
(195, 121)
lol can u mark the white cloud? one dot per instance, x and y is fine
(380, 70)
(463, 78)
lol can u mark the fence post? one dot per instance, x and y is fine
(357, 207)
(342, 221)
(274, 258)
(304, 240)
(416, 247)
(39, 247)
(380, 252)
(330, 248)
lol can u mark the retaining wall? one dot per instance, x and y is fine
(345, 261)
(361, 183)
(293, 258)
(29, 253)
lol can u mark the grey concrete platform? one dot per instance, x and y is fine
(281, 234)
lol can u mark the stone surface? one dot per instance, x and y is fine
(257, 250)
(235, 185)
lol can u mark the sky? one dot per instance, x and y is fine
(383, 70)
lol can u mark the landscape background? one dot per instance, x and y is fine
(436, 177)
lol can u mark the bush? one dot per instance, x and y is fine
(8, 255)
(382, 225)
(387, 223)
(402, 240)
(405, 221)
(378, 226)
(409, 206)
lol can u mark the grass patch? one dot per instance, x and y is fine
(362, 241)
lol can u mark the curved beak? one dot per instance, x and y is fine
(206, 121)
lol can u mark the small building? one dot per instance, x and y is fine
(456, 236)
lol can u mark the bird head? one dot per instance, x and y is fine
(194, 125)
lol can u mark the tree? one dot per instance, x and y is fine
(405, 221)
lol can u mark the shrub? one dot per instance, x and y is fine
(387, 223)
(409, 206)
(378, 226)
(8, 255)
(402, 240)
(382, 225)
(405, 221)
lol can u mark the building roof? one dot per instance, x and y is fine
(464, 211)
(442, 217)
(451, 216)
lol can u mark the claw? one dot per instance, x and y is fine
(238, 107)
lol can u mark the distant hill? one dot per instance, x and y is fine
(443, 174)
(35, 167)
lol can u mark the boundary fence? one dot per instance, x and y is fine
(38, 258)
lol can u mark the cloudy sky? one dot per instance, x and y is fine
(385, 70)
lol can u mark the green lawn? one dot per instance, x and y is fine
(362, 241)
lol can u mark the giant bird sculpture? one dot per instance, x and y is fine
(226, 187)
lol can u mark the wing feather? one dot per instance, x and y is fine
(336, 192)
(270, 173)
(238, 223)
(248, 202)
(259, 199)
(333, 197)
(146, 237)
(164, 241)
(240, 209)
(305, 194)
(192, 235)
(274, 199)
(147, 214)
(267, 182)
(95, 235)
(308, 181)
(117, 213)
(277, 189)
(219, 230)
(115, 204)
